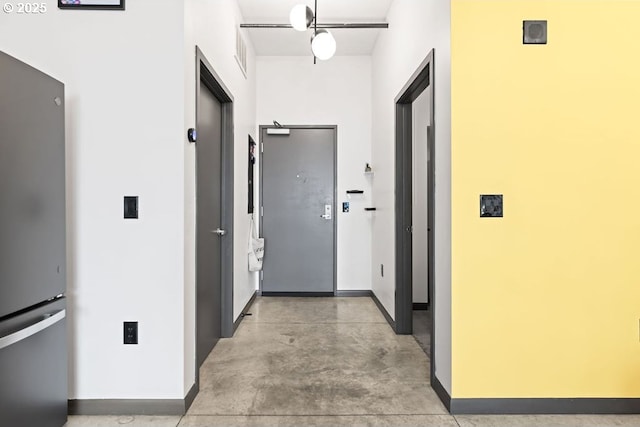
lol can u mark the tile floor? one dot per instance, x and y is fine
(324, 362)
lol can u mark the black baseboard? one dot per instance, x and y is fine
(366, 293)
(127, 407)
(133, 406)
(421, 306)
(244, 311)
(545, 406)
(297, 294)
(444, 396)
(190, 397)
(525, 406)
(350, 293)
(386, 315)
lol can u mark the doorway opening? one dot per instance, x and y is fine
(420, 228)
(298, 210)
(415, 144)
(214, 210)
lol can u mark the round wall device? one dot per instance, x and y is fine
(192, 135)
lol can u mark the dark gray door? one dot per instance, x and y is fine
(209, 235)
(32, 186)
(298, 224)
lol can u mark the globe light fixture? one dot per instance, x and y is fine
(323, 45)
(301, 17)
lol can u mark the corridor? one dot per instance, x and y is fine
(324, 362)
(313, 357)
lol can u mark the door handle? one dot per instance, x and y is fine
(327, 212)
(219, 232)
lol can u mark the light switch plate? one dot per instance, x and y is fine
(131, 207)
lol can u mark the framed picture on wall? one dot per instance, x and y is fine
(91, 4)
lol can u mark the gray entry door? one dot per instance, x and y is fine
(208, 211)
(298, 199)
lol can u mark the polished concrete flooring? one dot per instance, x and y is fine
(422, 330)
(324, 362)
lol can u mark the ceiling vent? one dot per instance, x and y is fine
(241, 52)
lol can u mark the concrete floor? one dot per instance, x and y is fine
(422, 330)
(324, 362)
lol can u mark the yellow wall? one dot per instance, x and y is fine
(546, 301)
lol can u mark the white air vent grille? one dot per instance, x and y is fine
(241, 52)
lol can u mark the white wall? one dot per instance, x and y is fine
(294, 91)
(421, 119)
(415, 27)
(211, 25)
(124, 100)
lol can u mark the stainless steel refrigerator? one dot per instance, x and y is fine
(33, 337)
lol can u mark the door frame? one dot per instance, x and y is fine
(206, 74)
(335, 198)
(421, 79)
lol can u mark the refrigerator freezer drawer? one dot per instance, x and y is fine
(29, 331)
(33, 370)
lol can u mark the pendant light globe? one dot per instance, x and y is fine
(301, 17)
(323, 45)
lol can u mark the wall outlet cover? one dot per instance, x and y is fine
(131, 332)
(491, 205)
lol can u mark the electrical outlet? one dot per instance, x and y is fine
(131, 332)
(381, 270)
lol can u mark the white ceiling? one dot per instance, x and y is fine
(288, 42)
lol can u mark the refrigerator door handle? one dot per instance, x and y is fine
(25, 333)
